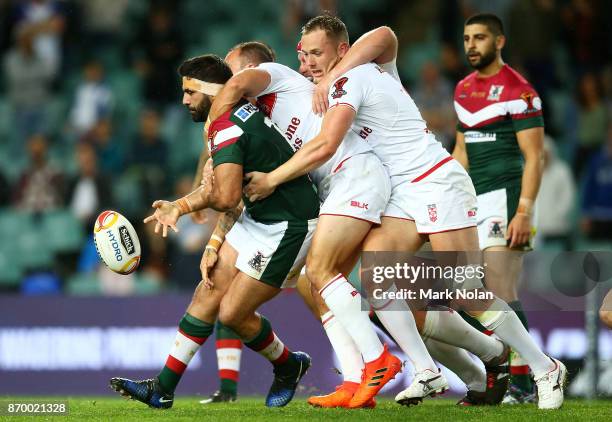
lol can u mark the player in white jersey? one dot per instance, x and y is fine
(349, 208)
(432, 194)
(290, 86)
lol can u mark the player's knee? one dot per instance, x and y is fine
(606, 317)
(228, 316)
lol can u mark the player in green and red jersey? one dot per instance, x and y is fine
(499, 140)
(262, 253)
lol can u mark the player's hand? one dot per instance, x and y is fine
(320, 103)
(259, 187)
(209, 259)
(519, 230)
(166, 215)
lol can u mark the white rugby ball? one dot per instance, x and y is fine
(117, 242)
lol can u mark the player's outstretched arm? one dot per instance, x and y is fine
(247, 83)
(531, 143)
(378, 45)
(312, 155)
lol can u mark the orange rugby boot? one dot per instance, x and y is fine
(375, 375)
(339, 398)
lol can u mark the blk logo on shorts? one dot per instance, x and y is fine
(358, 204)
(472, 212)
(432, 210)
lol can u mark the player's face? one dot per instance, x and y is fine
(480, 46)
(197, 103)
(321, 53)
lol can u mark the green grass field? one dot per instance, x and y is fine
(252, 409)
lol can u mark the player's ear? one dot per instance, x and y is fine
(500, 42)
(343, 48)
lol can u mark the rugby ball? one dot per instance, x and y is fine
(117, 242)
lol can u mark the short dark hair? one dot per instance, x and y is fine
(491, 21)
(207, 68)
(255, 52)
(332, 25)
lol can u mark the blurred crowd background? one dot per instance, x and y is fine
(91, 117)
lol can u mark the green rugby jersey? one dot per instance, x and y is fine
(245, 136)
(490, 112)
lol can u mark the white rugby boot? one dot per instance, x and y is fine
(550, 387)
(425, 384)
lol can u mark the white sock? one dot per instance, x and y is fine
(458, 361)
(346, 351)
(445, 325)
(502, 320)
(398, 320)
(345, 303)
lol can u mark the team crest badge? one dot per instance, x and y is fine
(257, 261)
(495, 92)
(496, 229)
(338, 91)
(432, 210)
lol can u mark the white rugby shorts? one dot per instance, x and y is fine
(441, 199)
(359, 187)
(271, 253)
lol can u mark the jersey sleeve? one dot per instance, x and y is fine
(224, 141)
(283, 78)
(391, 69)
(459, 127)
(525, 108)
(346, 90)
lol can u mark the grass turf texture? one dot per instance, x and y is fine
(253, 409)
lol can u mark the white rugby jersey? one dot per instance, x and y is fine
(389, 120)
(287, 101)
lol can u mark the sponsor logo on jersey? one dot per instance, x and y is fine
(472, 136)
(257, 261)
(246, 111)
(495, 92)
(338, 85)
(478, 94)
(432, 210)
(126, 240)
(496, 229)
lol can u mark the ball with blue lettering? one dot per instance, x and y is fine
(117, 242)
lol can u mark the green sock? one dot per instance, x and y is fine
(519, 370)
(191, 335)
(229, 351)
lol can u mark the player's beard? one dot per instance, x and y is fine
(200, 113)
(485, 59)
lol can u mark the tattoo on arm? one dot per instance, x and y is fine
(227, 220)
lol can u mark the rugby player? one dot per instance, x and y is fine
(285, 86)
(263, 251)
(499, 140)
(433, 196)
